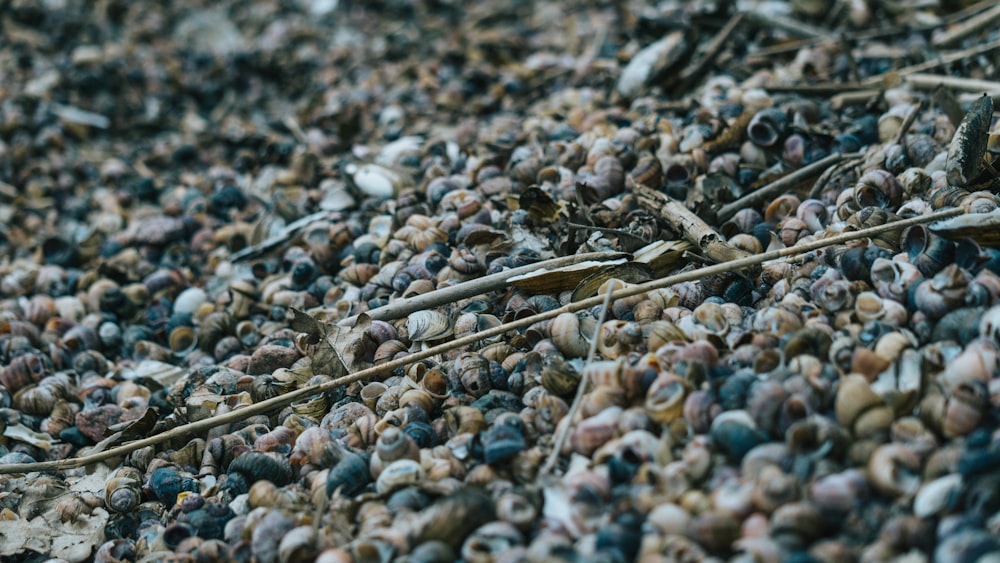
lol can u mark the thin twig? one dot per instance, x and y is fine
(824, 89)
(971, 26)
(943, 60)
(471, 288)
(931, 81)
(794, 27)
(820, 182)
(904, 127)
(286, 235)
(282, 401)
(768, 54)
(695, 71)
(785, 182)
(852, 65)
(853, 98)
(581, 388)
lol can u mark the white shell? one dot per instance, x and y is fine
(376, 181)
(188, 301)
(397, 475)
(933, 496)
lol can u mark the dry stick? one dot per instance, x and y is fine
(911, 116)
(826, 88)
(820, 182)
(945, 59)
(753, 198)
(486, 284)
(688, 225)
(287, 234)
(694, 71)
(791, 26)
(931, 81)
(767, 54)
(852, 65)
(581, 388)
(971, 26)
(855, 98)
(308, 391)
(968, 12)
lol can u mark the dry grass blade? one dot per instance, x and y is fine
(304, 392)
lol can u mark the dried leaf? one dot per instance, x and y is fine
(629, 272)
(47, 534)
(348, 346)
(539, 204)
(304, 322)
(138, 428)
(559, 279)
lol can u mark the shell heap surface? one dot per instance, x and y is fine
(175, 180)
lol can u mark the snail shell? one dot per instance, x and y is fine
(399, 474)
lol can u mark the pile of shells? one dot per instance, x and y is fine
(176, 180)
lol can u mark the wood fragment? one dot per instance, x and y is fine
(791, 26)
(932, 81)
(286, 235)
(943, 60)
(971, 26)
(282, 401)
(824, 89)
(852, 65)
(471, 288)
(854, 98)
(694, 71)
(688, 225)
(786, 182)
(911, 116)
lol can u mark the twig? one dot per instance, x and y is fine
(286, 234)
(688, 225)
(608, 230)
(858, 97)
(931, 81)
(478, 286)
(968, 12)
(820, 182)
(796, 28)
(581, 388)
(904, 127)
(852, 65)
(693, 72)
(767, 54)
(971, 26)
(310, 390)
(944, 60)
(784, 183)
(823, 89)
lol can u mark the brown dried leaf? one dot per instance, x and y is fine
(348, 345)
(629, 272)
(304, 322)
(559, 279)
